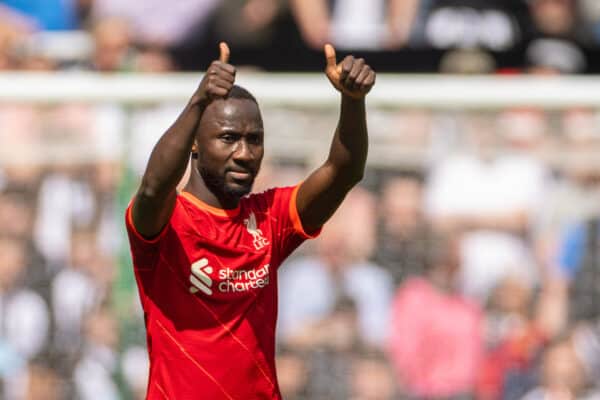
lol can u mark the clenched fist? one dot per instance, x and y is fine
(218, 79)
(351, 77)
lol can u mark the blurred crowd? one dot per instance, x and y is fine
(473, 273)
(475, 276)
(485, 36)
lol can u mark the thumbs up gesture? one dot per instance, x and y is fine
(351, 77)
(218, 79)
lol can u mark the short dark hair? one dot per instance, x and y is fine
(238, 92)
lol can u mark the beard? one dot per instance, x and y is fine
(217, 185)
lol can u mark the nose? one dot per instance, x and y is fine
(243, 151)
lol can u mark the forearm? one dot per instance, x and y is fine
(348, 152)
(155, 199)
(312, 18)
(307, 12)
(322, 192)
(171, 154)
(401, 15)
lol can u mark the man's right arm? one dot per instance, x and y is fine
(155, 198)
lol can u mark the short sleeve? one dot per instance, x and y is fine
(288, 231)
(144, 252)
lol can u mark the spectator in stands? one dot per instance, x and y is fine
(513, 339)
(352, 25)
(554, 18)
(42, 382)
(76, 291)
(13, 33)
(17, 211)
(554, 57)
(261, 33)
(590, 13)
(586, 343)
(157, 23)
(562, 375)
(467, 62)
(491, 196)
(20, 137)
(330, 345)
(95, 373)
(113, 50)
(556, 37)
(310, 287)
(404, 230)
(17, 217)
(153, 60)
(247, 24)
(135, 366)
(372, 377)
(575, 193)
(24, 317)
(436, 334)
(64, 201)
(576, 269)
(292, 373)
(579, 265)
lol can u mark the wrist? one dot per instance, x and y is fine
(350, 99)
(198, 101)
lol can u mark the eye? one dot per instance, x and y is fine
(255, 139)
(229, 137)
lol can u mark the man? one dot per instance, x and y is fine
(435, 336)
(206, 259)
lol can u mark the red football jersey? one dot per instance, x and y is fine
(208, 287)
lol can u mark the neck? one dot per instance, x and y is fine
(198, 188)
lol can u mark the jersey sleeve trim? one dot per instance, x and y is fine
(136, 233)
(220, 212)
(295, 217)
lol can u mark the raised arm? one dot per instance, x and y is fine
(323, 191)
(155, 198)
(313, 20)
(401, 15)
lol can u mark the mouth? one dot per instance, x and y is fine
(240, 175)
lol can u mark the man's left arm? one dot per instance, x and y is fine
(323, 191)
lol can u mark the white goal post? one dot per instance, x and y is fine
(300, 110)
(391, 90)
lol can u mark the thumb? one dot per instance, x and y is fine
(330, 56)
(224, 52)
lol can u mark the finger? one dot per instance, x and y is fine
(221, 83)
(357, 66)
(219, 70)
(226, 76)
(346, 68)
(362, 75)
(369, 81)
(217, 92)
(224, 52)
(230, 69)
(330, 56)
(221, 66)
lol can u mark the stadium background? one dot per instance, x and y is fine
(497, 146)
